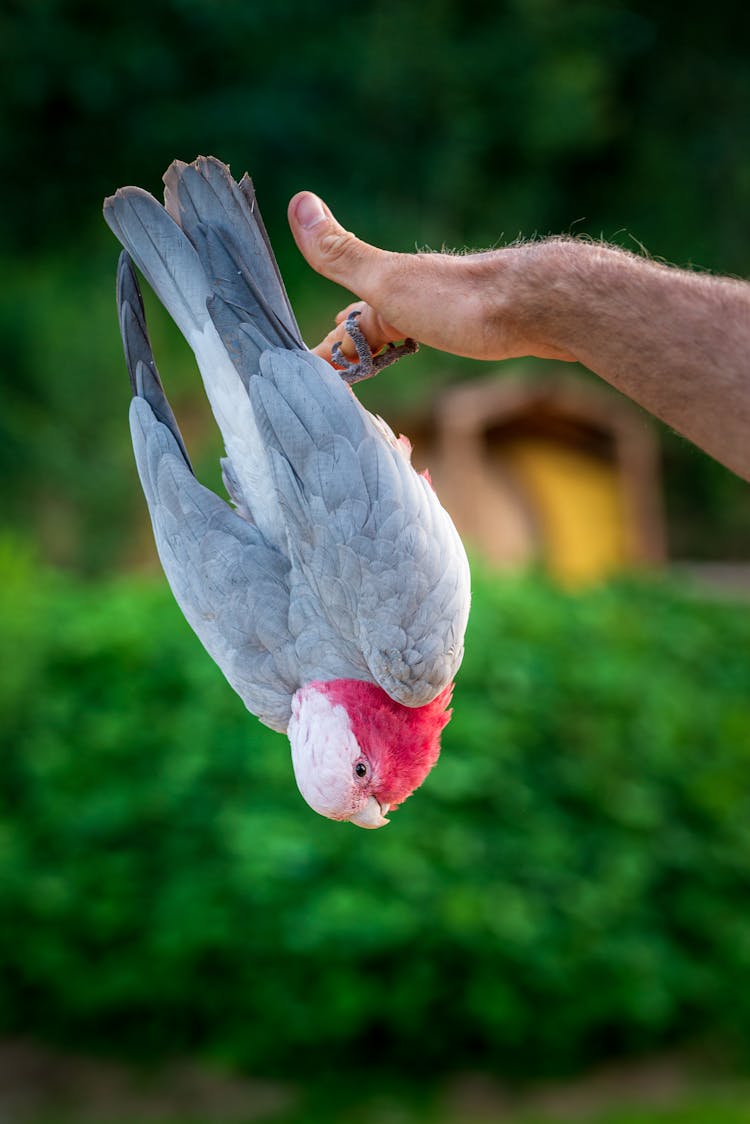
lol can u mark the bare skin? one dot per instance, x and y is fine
(676, 342)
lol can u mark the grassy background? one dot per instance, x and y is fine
(570, 883)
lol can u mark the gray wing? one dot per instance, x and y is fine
(380, 577)
(231, 585)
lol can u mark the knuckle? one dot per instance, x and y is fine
(338, 246)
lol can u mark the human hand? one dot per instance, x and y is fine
(465, 304)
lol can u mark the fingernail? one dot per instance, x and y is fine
(309, 211)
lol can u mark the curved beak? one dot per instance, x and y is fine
(372, 815)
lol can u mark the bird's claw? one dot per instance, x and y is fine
(368, 364)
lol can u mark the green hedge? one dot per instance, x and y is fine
(573, 878)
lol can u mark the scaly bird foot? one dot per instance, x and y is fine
(368, 364)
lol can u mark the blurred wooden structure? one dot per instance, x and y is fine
(555, 471)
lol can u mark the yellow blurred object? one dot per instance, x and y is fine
(578, 506)
(555, 471)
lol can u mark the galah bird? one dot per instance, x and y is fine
(334, 595)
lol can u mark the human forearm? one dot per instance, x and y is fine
(676, 342)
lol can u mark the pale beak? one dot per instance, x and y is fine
(372, 815)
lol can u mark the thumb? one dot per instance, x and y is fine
(333, 251)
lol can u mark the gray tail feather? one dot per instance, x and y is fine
(222, 220)
(144, 377)
(208, 255)
(163, 254)
(239, 300)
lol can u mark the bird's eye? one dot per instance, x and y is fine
(360, 769)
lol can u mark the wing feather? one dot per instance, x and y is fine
(231, 585)
(366, 536)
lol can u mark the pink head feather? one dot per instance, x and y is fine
(402, 742)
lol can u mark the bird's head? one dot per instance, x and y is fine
(357, 753)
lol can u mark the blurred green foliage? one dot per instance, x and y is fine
(421, 123)
(428, 121)
(571, 880)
